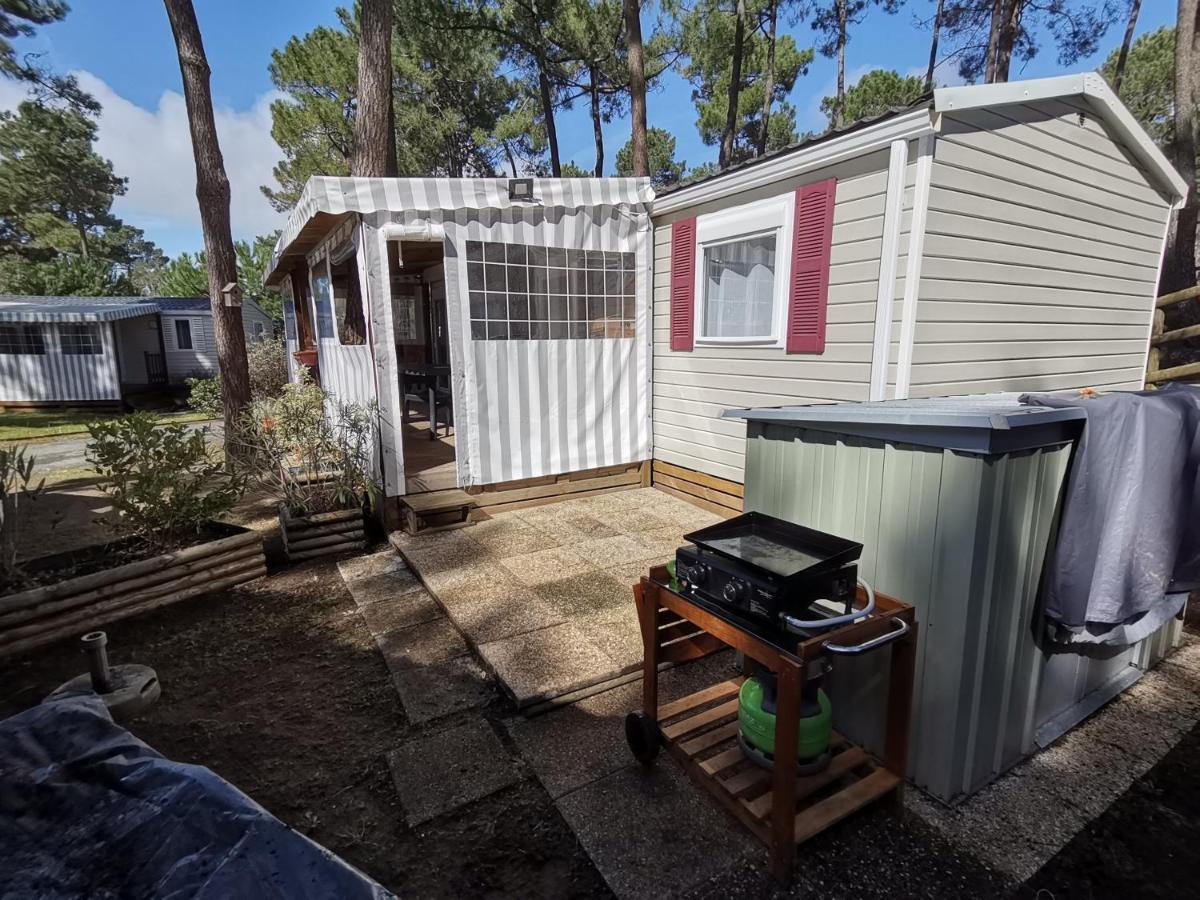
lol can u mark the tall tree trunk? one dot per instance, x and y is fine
(512, 160)
(933, 45)
(993, 48)
(735, 87)
(597, 131)
(1135, 7)
(839, 115)
(1179, 267)
(769, 82)
(84, 250)
(212, 192)
(548, 116)
(374, 122)
(1010, 28)
(632, 12)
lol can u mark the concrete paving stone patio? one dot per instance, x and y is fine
(546, 565)
(436, 690)
(622, 548)
(651, 833)
(437, 773)
(547, 663)
(587, 599)
(620, 639)
(421, 645)
(584, 741)
(489, 606)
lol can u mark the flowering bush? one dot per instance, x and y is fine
(309, 449)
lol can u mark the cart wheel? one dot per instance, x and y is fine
(642, 735)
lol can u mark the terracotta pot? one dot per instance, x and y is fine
(306, 357)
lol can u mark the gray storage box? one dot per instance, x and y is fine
(955, 501)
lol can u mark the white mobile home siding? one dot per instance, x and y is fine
(201, 360)
(53, 376)
(692, 389)
(1041, 255)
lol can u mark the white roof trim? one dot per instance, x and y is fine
(1086, 84)
(878, 136)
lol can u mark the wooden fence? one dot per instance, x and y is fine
(1160, 336)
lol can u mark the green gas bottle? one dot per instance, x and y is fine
(756, 720)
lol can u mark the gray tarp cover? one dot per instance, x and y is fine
(88, 810)
(1128, 547)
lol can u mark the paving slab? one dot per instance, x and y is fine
(439, 689)
(620, 639)
(421, 645)
(370, 564)
(607, 551)
(382, 587)
(507, 535)
(492, 605)
(541, 665)
(652, 833)
(401, 611)
(542, 566)
(573, 746)
(441, 772)
(439, 551)
(585, 599)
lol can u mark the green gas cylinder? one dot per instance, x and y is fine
(756, 718)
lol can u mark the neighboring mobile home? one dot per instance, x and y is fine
(79, 350)
(990, 238)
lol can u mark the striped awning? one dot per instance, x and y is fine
(325, 196)
(73, 309)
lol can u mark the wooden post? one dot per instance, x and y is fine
(783, 807)
(1156, 331)
(899, 707)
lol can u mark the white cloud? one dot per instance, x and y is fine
(152, 148)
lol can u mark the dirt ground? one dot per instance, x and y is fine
(279, 688)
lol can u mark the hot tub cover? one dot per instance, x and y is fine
(88, 810)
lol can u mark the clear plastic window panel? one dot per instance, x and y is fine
(524, 293)
(739, 288)
(22, 340)
(80, 339)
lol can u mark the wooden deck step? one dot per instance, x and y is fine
(436, 510)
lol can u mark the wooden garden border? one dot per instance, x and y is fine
(55, 611)
(323, 534)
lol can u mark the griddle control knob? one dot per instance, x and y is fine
(696, 574)
(735, 590)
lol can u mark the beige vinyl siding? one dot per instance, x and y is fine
(1041, 253)
(692, 389)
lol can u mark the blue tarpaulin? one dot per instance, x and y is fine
(88, 810)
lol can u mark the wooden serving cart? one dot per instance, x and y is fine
(781, 808)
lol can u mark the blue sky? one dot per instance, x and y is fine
(125, 55)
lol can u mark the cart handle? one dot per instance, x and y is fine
(854, 649)
(800, 626)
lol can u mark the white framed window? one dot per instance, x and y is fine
(22, 340)
(743, 260)
(80, 339)
(183, 334)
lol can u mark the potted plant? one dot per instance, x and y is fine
(313, 452)
(168, 488)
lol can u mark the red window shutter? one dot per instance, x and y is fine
(683, 282)
(812, 237)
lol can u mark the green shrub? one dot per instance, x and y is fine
(268, 369)
(204, 396)
(16, 489)
(165, 482)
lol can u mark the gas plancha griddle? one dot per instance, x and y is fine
(766, 570)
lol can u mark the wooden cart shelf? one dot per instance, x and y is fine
(779, 806)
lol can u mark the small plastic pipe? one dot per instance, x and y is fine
(94, 646)
(794, 624)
